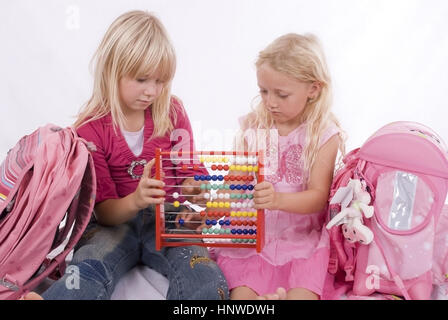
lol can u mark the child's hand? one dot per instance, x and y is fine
(193, 191)
(265, 196)
(190, 221)
(149, 191)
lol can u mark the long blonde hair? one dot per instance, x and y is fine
(301, 57)
(135, 45)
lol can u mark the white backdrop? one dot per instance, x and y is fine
(388, 59)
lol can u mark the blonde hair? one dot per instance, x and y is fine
(301, 57)
(135, 45)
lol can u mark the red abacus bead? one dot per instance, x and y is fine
(233, 222)
(250, 178)
(232, 178)
(227, 214)
(238, 178)
(214, 167)
(250, 223)
(245, 222)
(227, 178)
(239, 222)
(226, 167)
(203, 213)
(219, 167)
(184, 167)
(195, 167)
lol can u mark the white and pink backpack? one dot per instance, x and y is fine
(387, 222)
(47, 191)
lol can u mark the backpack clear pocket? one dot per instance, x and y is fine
(403, 201)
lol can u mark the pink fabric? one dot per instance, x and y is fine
(113, 157)
(292, 241)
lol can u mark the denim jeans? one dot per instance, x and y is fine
(104, 254)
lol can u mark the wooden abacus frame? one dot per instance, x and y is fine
(182, 239)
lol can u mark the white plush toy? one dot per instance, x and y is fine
(354, 206)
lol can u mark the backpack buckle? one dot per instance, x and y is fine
(8, 282)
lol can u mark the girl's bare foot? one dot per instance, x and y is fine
(280, 294)
(32, 296)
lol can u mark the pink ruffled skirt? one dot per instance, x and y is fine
(263, 277)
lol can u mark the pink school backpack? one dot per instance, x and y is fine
(387, 222)
(47, 188)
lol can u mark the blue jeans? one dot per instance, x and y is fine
(104, 254)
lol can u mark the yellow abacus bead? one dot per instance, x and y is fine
(238, 168)
(244, 213)
(176, 204)
(232, 213)
(243, 168)
(215, 204)
(208, 159)
(250, 168)
(225, 159)
(202, 159)
(238, 214)
(227, 204)
(250, 214)
(232, 167)
(209, 204)
(255, 168)
(221, 204)
(255, 213)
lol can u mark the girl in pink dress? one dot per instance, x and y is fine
(302, 139)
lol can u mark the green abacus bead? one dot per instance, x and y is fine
(221, 186)
(216, 231)
(244, 196)
(238, 196)
(250, 196)
(203, 186)
(226, 186)
(215, 187)
(209, 187)
(228, 231)
(204, 230)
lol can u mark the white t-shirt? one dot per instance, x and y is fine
(134, 140)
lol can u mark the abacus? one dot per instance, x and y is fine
(227, 209)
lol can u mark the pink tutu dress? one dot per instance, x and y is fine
(296, 251)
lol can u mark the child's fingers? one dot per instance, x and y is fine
(152, 183)
(262, 194)
(147, 169)
(262, 186)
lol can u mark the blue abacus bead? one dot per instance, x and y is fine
(227, 222)
(238, 187)
(202, 177)
(181, 221)
(244, 187)
(214, 177)
(221, 222)
(214, 222)
(220, 177)
(208, 222)
(233, 231)
(208, 177)
(197, 177)
(251, 231)
(232, 187)
(239, 231)
(250, 187)
(245, 231)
